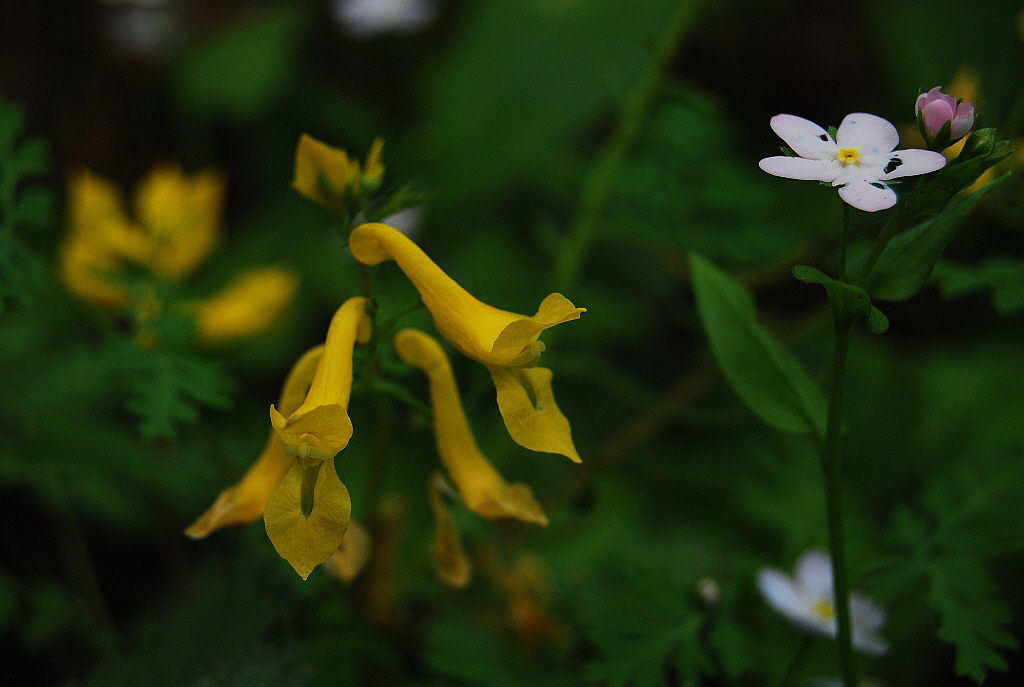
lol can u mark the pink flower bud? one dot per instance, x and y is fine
(935, 108)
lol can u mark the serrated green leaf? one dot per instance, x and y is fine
(769, 380)
(907, 261)
(168, 388)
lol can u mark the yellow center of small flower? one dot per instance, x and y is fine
(849, 156)
(824, 609)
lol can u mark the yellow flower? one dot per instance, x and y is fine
(348, 561)
(327, 175)
(450, 559)
(506, 342)
(248, 306)
(245, 501)
(320, 427)
(180, 216)
(483, 489)
(175, 228)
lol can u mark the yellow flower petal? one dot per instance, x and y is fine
(320, 427)
(305, 541)
(348, 561)
(532, 417)
(248, 306)
(323, 173)
(451, 562)
(373, 174)
(484, 333)
(483, 489)
(244, 502)
(181, 215)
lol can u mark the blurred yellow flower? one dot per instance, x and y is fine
(482, 488)
(328, 175)
(507, 343)
(244, 502)
(348, 561)
(248, 306)
(451, 562)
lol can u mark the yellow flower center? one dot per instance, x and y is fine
(849, 156)
(824, 609)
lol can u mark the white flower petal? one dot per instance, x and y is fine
(865, 613)
(869, 642)
(806, 138)
(867, 134)
(800, 168)
(781, 593)
(905, 163)
(814, 573)
(870, 196)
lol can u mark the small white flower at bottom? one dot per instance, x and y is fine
(808, 601)
(859, 161)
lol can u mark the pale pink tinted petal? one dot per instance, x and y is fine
(963, 120)
(867, 134)
(814, 573)
(806, 138)
(867, 195)
(800, 168)
(907, 163)
(935, 114)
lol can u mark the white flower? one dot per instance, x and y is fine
(365, 18)
(808, 601)
(859, 161)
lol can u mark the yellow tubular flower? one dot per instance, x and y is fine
(484, 333)
(244, 502)
(451, 562)
(181, 216)
(250, 304)
(483, 489)
(373, 174)
(320, 427)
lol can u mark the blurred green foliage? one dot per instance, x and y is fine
(646, 575)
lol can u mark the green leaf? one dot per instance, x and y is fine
(769, 380)
(168, 388)
(907, 261)
(239, 73)
(1002, 277)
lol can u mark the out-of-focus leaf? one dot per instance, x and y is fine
(168, 387)
(239, 73)
(906, 262)
(1002, 277)
(769, 380)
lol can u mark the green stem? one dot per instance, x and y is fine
(844, 238)
(833, 499)
(795, 664)
(633, 115)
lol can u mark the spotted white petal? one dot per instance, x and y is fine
(905, 163)
(866, 133)
(800, 168)
(806, 138)
(870, 196)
